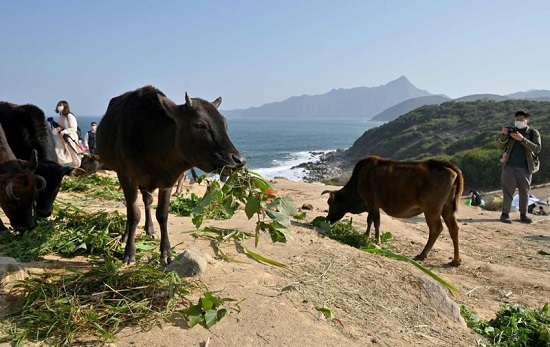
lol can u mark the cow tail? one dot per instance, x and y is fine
(459, 187)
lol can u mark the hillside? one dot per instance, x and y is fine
(408, 105)
(361, 102)
(464, 132)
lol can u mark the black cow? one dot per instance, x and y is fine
(149, 141)
(27, 131)
(19, 187)
(403, 190)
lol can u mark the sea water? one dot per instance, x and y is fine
(273, 147)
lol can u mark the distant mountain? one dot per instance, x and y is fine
(360, 102)
(409, 105)
(483, 97)
(530, 94)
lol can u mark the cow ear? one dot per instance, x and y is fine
(188, 100)
(217, 102)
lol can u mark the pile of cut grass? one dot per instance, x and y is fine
(92, 306)
(72, 231)
(94, 186)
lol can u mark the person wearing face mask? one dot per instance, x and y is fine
(67, 148)
(89, 138)
(520, 145)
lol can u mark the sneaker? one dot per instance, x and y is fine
(524, 219)
(505, 218)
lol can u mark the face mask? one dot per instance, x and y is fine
(520, 124)
(60, 108)
(94, 127)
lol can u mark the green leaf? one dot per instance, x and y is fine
(321, 223)
(263, 259)
(252, 206)
(210, 318)
(326, 312)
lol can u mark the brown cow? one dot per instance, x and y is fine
(19, 187)
(149, 141)
(403, 190)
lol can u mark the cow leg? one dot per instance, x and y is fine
(434, 224)
(370, 217)
(450, 220)
(147, 201)
(133, 216)
(162, 218)
(376, 220)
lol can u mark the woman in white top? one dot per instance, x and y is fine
(67, 149)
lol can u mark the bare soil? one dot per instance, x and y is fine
(375, 300)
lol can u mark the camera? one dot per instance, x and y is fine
(512, 130)
(53, 123)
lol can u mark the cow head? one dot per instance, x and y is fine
(18, 193)
(201, 135)
(90, 163)
(53, 173)
(341, 202)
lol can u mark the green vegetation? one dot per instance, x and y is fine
(76, 307)
(72, 231)
(248, 189)
(513, 326)
(95, 186)
(463, 132)
(184, 206)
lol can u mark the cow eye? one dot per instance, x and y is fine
(201, 125)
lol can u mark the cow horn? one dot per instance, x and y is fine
(217, 102)
(188, 100)
(41, 183)
(328, 191)
(9, 191)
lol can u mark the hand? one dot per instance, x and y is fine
(517, 136)
(504, 130)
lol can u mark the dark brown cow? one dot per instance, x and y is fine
(19, 187)
(149, 141)
(27, 132)
(403, 190)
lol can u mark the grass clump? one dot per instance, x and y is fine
(72, 231)
(513, 326)
(95, 186)
(71, 308)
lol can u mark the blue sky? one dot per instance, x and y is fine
(257, 52)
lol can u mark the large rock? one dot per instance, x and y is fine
(191, 262)
(439, 300)
(10, 270)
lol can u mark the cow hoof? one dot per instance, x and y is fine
(420, 257)
(128, 260)
(455, 262)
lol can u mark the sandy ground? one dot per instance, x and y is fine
(375, 300)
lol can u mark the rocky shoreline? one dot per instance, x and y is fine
(330, 166)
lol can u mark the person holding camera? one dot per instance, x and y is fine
(67, 148)
(520, 145)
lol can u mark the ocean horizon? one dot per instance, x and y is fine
(273, 147)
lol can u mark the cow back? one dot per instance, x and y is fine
(26, 129)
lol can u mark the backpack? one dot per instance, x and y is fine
(476, 198)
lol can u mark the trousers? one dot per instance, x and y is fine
(510, 179)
